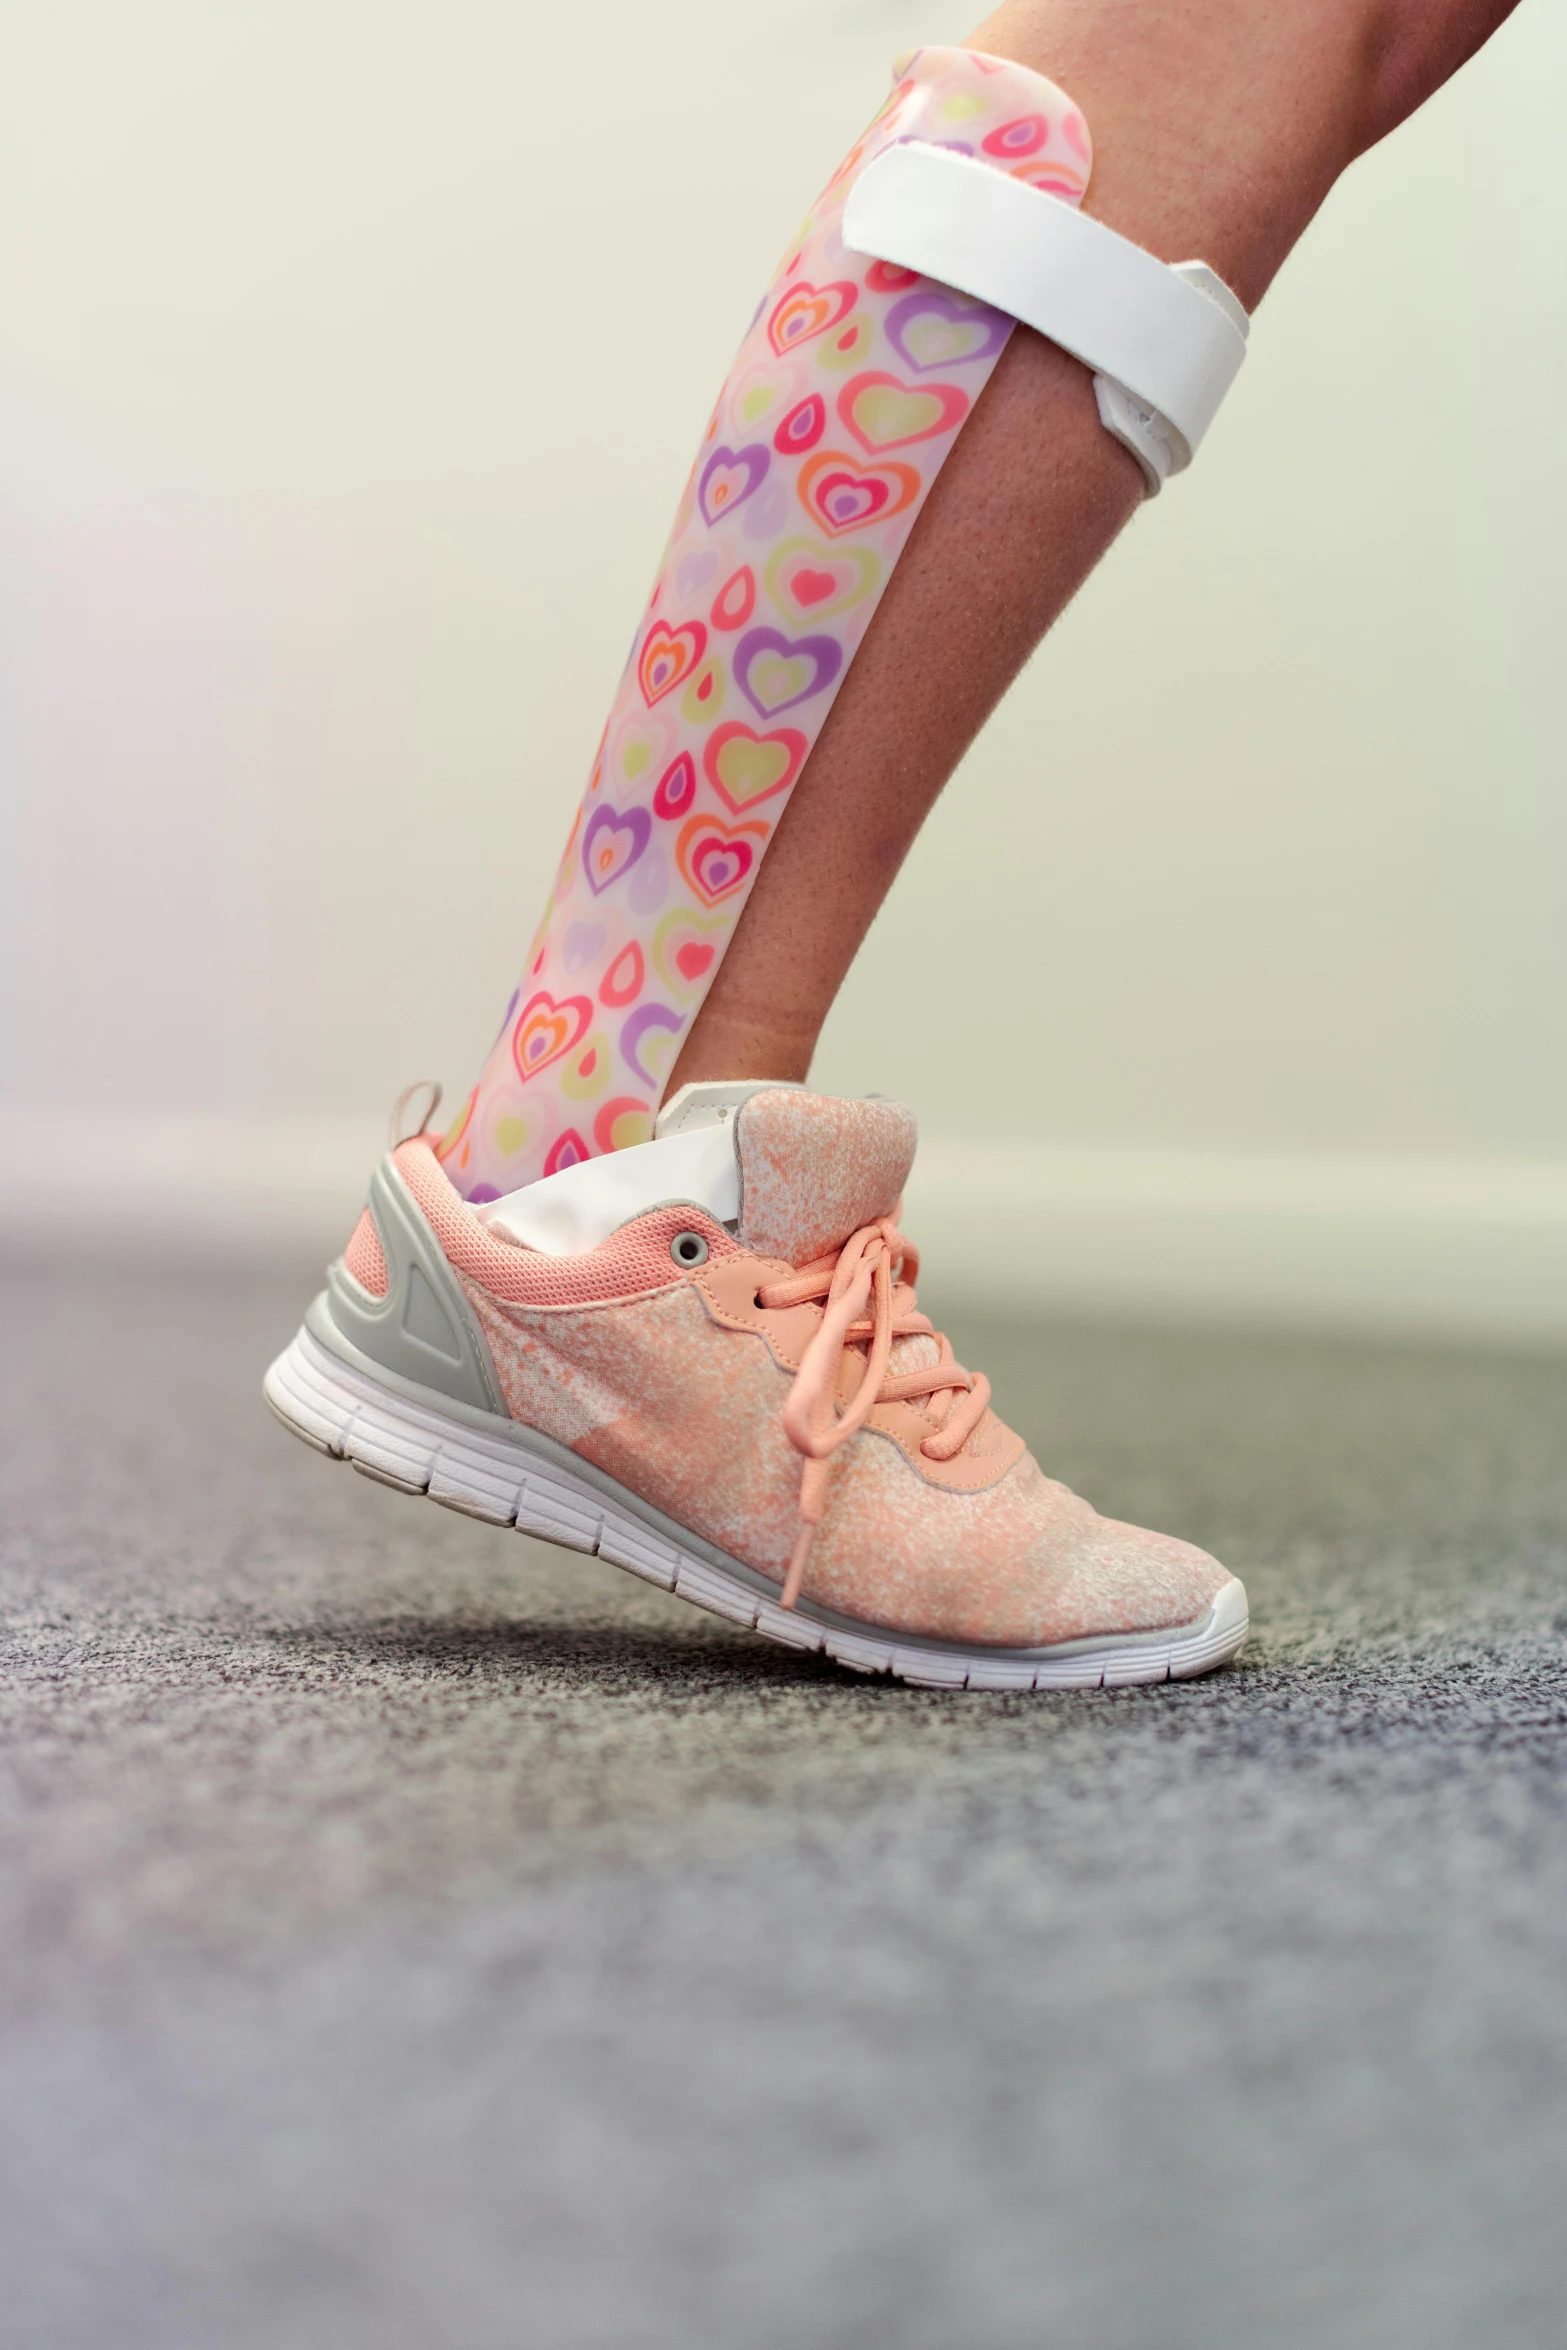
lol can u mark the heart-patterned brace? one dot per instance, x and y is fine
(847, 393)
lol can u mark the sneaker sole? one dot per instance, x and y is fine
(511, 1479)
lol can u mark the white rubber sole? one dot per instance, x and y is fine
(418, 1448)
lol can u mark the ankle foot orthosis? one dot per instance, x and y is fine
(952, 219)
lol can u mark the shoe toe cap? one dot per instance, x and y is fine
(1135, 1580)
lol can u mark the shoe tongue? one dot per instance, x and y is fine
(812, 1170)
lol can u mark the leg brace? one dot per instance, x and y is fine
(955, 216)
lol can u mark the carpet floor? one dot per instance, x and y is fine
(412, 1938)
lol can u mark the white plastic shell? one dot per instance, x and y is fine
(1164, 343)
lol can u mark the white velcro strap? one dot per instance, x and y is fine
(1165, 343)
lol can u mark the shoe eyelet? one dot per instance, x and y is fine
(689, 1250)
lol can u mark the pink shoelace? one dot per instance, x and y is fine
(875, 1266)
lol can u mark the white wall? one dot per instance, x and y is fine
(350, 361)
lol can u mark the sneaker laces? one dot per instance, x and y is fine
(875, 1267)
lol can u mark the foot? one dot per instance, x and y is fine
(704, 1360)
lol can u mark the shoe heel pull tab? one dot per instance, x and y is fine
(398, 1129)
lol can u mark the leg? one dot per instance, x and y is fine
(1033, 494)
(1035, 490)
(773, 643)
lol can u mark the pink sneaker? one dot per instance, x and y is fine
(703, 1360)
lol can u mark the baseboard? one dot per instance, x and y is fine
(1461, 1248)
(238, 1185)
(1429, 1247)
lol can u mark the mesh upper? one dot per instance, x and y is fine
(364, 1258)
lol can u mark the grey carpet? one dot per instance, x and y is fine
(414, 1937)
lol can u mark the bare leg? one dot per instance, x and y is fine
(1219, 127)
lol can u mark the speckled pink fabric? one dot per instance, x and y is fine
(813, 1170)
(686, 1411)
(1023, 1564)
(686, 1414)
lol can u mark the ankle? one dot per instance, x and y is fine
(725, 1046)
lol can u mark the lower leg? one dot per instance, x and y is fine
(1218, 130)
(1025, 506)
(892, 503)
